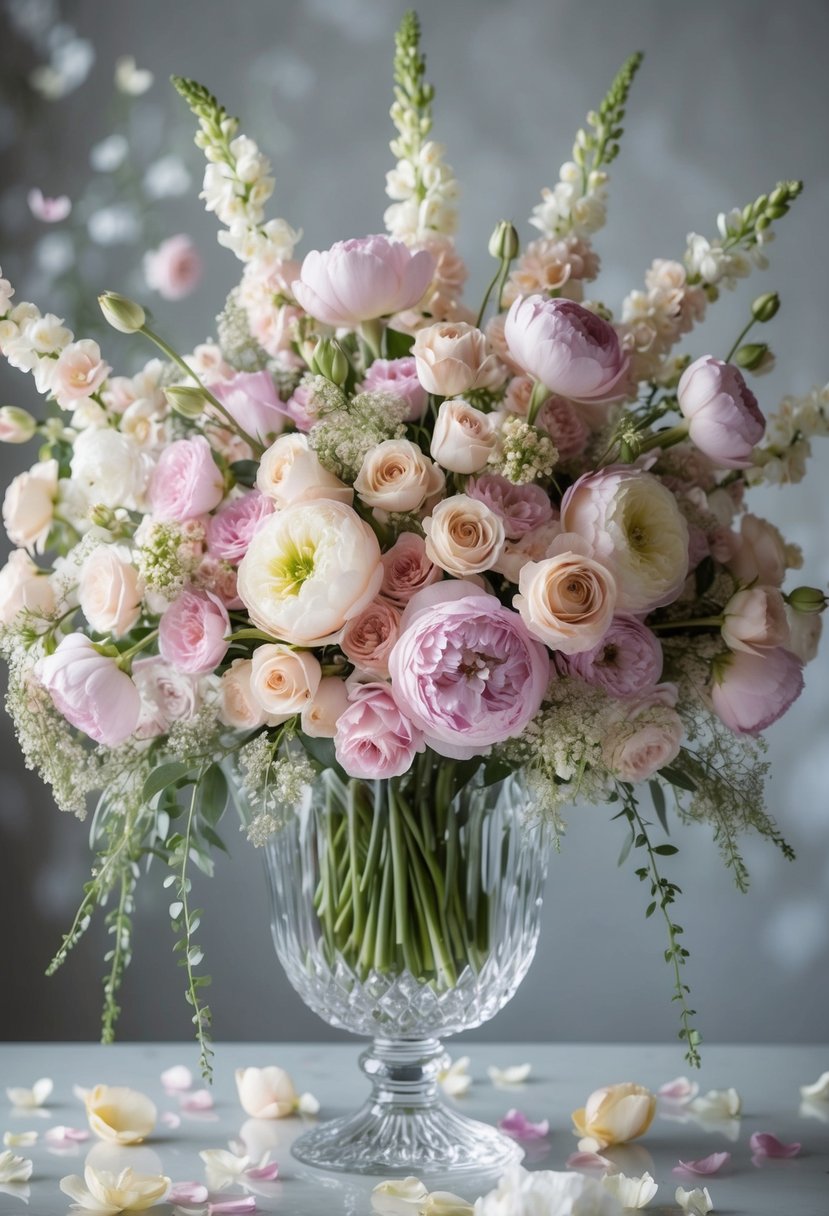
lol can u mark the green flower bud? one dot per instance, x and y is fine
(16, 425)
(806, 599)
(186, 400)
(330, 361)
(101, 516)
(766, 306)
(122, 314)
(751, 355)
(504, 244)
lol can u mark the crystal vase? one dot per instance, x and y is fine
(406, 910)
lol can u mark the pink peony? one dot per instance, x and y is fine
(174, 269)
(398, 377)
(192, 633)
(568, 348)
(465, 669)
(361, 279)
(369, 637)
(724, 419)
(522, 508)
(253, 403)
(750, 691)
(373, 738)
(186, 481)
(296, 407)
(229, 531)
(90, 690)
(626, 662)
(407, 569)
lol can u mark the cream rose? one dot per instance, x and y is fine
(308, 569)
(23, 587)
(453, 357)
(614, 1115)
(283, 680)
(238, 707)
(319, 719)
(109, 590)
(463, 536)
(396, 476)
(567, 600)
(290, 472)
(29, 506)
(464, 437)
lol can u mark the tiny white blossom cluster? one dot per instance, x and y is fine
(782, 458)
(654, 320)
(576, 205)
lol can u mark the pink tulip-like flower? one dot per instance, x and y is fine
(705, 1166)
(374, 738)
(175, 269)
(522, 508)
(724, 419)
(519, 1127)
(626, 662)
(90, 690)
(568, 348)
(48, 210)
(765, 1144)
(230, 530)
(398, 378)
(465, 669)
(252, 401)
(407, 569)
(361, 279)
(755, 620)
(186, 481)
(749, 692)
(192, 633)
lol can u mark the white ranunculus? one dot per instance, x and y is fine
(520, 1193)
(110, 468)
(632, 1193)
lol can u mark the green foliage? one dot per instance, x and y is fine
(599, 145)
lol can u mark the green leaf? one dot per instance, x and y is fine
(164, 775)
(651, 908)
(213, 794)
(215, 839)
(658, 799)
(675, 776)
(398, 345)
(704, 575)
(626, 847)
(496, 769)
(245, 471)
(665, 850)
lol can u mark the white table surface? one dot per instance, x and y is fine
(767, 1078)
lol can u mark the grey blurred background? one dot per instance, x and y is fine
(731, 98)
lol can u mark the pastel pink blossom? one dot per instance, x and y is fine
(230, 530)
(749, 692)
(374, 738)
(626, 662)
(177, 1078)
(170, 1119)
(407, 569)
(63, 1137)
(187, 1194)
(296, 407)
(565, 425)
(48, 210)
(765, 1144)
(759, 553)
(174, 269)
(519, 1127)
(398, 377)
(232, 1207)
(78, 372)
(644, 734)
(680, 1091)
(465, 669)
(199, 1099)
(193, 632)
(568, 348)
(90, 690)
(186, 481)
(263, 1173)
(724, 420)
(521, 508)
(705, 1166)
(167, 696)
(252, 401)
(361, 279)
(369, 637)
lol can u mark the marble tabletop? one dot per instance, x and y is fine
(768, 1080)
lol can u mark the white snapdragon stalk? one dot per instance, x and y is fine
(782, 458)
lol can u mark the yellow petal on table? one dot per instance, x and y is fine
(119, 1114)
(19, 1139)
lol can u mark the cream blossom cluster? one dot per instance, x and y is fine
(653, 321)
(781, 459)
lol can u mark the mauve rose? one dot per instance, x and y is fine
(644, 734)
(724, 419)
(174, 269)
(319, 719)
(90, 690)
(568, 348)
(374, 739)
(253, 403)
(230, 530)
(465, 670)
(760, 553)
(749, 691)
(186, 481)
(626, 662)
(192, 633)
(369, 637)
(521, 508)
(565, 425)
(398, 378)
(453, 357)
(407, 569)
(361, 279)
(755, 620)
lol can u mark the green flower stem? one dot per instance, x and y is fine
(700, 622)
(125, 656)
(738, 340)
(665, 439)
(538, 396)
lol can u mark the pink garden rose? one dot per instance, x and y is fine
(186, 481)
(568, 348)
(230, 530)
(626, 662)
(465, 670)
(167, 696)
(90, 690)
(749, 691)
(644, 735)
(361, 279)
(758, 553)
(724, 419)
(174, 269)
(522, 508)
(369, 637)
(252, 401)
(407, 569)
(398, 377)
(565, 425)
(192, 633)
(374, 739)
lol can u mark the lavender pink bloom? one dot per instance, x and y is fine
(565, 425)
(749, 692)
(374, 738)
(253, 403)
(90, 690)
(192, 633)
(398, 377)
(465, 669)
(361, 279)
(407, 569)
(626, 662)
(765, 1144)
(724, 420)
(568, 348)
(230, 530)
(521, 508)
(175, 269)
(186, 482)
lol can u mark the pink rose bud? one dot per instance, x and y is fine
(724, 419)
(755, 620)
(253, 403)
(192, 633)
(230, 530)
(749, 692)
(90, 690)
(398, 378)
(174, 269)
(362, 279)
(186, 481)
(374, 739)
(453, 357)
(568, 348)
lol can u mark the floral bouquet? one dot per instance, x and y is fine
(379, 542)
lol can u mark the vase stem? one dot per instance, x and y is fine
(404, 1072)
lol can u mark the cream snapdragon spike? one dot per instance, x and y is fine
(375, 529)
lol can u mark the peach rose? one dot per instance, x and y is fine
(463, 536)
(453, 357)
(290, 472)
(29, 505)
(283, 680)
(369, 637)
(109, 592)
(567, 600)
(24, 587)
(238, 707)
(407, 569)
(464, 437)
(396, 476)
(319, 719)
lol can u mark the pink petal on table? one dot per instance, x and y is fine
(680, 1090)
(263, 1173)
(200, 1099)
(705, 1165)
(588, 1161)
(187, 1193)
(177, 1078)
(764, 1144)
(245, 1204)
(63, 1136)
(48, 210)
(170, 1119)
(516, 1124)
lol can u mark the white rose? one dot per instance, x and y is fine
(23, 586)
(464, 437)
(396, 476)
(463, 536)
(110, 468)
(319, 719)
(29, 504)
(284, 680)
(167, 696)
(290, 472)
(108, 590)
(239, 708)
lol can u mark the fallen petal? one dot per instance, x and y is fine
(705, 1166)
(170, 1119)
(263, 1173)
(20, 1139)
(445, 1203)
(177, 1078)
(187, 1193)
(819, 1089)
(694, 1203)
(588, 1161)
(764, 1144)
(813, 1108)
(632, 1193)
(200, 1099)
(680, 1090)
(246, 1203)
(307, 1104)
(718, 1104)
(27, 1099)
(62, 1137)
(399, 1197)
(517, 1125)
(515, 1074)
(14, 1169)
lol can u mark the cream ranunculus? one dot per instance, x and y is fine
(109, 590)
(284, 680)
(309, 569)
(119, 1114)
(266, 1093)
(106, 1194)
(396, 476)
(463, 536)
(290, 472)
(319, 719)
(567, 600)
(453, 357)
(464, 437)
(614, 1115)
(29, 506)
